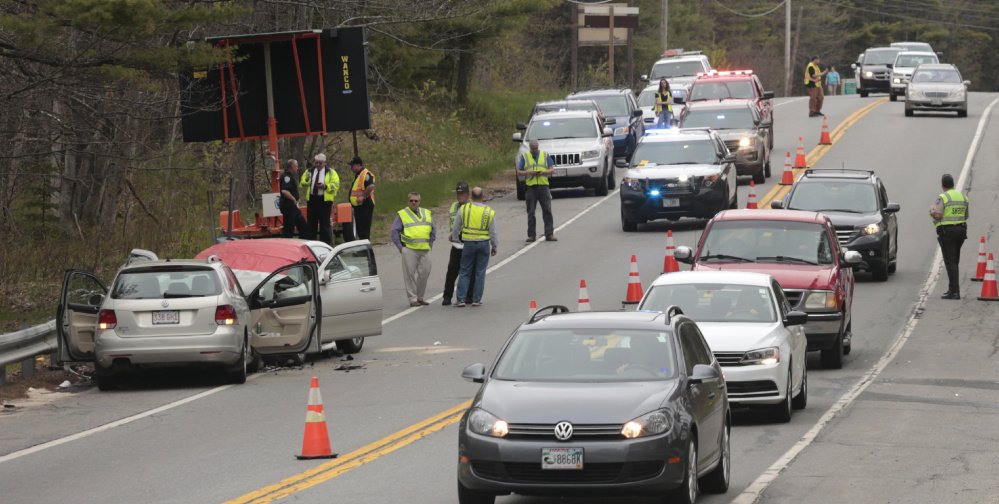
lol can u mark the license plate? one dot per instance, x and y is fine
(559, 172)
(936, 102)
(671, 202)
(166, 317)
(561, 458)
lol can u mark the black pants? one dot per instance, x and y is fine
(293, 220)
(536, 194)
(453, 268)
(951, 238)
(362, 220)
(319, 217)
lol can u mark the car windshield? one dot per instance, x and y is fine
(591, 355)
(612, 106)
(937, 76)
(742, 89)
(915, 46)
(714, 302)
(736, 118)
(680, 152)
(767, 241)
(880, 57)
(564, 106)
(859, 197)
(908, 61)
(547, 129)
(166, 282)
(676, 69)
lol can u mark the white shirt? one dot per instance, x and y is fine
(318, 176)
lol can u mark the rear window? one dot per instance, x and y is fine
(850, 197)
(166, 284)
(674, 153)
(769, 241)
(880, 57)
(742, 89)
(676, 69)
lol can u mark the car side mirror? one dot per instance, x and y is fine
(892, 207)
(766, 124)
(730, 158)
(621, 163)
(96, 300)
(521, 126)
(645, 78)
(324, 278)
(517, 137)
(703, 373)
(684, 254)
(795, 318)
(853, 66)
(768, 95)
(852, 257)
(610, 122)
(967, 83)
(475, 373)
(637, 113)
(777, 204)
(608, 131)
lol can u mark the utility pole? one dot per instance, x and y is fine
(575, 45)
(787, 48)
(611, 59)
(666, 22)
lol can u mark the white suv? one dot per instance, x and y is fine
(905, 63)
(583, 151)
(680, 70)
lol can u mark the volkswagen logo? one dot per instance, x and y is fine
(563, 431)
(165, 303)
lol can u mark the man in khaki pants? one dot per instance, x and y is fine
(413, 233)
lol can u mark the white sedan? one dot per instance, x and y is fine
(748, 323)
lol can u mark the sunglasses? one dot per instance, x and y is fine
(414, 201)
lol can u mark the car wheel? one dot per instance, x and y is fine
(782, 412)
(469, 496)
(848, 342)
(893, 97)
(686, 493)
(521, 190)
(801, 400)
(766, 168)
(237, 372)
(627, 225)
(832, 358)
(611, 180)
(718, 479)
(962, 113)
(735, 201)
(863, 94)
(297, 359)
(908, 112)
(760, 176)
(601, 188)
(256, 362)
(106, 382)
(893, 265)
(350, 346)
(771, 141)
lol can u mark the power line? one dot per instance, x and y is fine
(941, 11)
(908, 17)
(723, 6)
(982, 8)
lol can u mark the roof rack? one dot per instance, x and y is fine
(555, 310)
(839, 170)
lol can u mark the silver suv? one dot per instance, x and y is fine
(743, 129)
(679, 68)
(901, 71)
(582, 149)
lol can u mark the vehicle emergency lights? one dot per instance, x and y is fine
(727, 73)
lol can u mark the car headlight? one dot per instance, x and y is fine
(761, 356)
(959, 94)
(745, 142)
(649, 424)
(483, 422)
(623, 130)
(868, 74)
(709, 180)
(873, 228)
(915, 94)
(590, 154)
(896, 80)
(632, 183)
(821, 300)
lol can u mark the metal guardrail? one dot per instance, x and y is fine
(26, 344)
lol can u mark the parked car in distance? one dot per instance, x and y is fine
(801, 251)
(580, 147)
(937, 88)
(618, 104)
(647, 102)
(752, 331)
(857, 203)
(915, 46)
(739, 124)
(597, 403)
(873, 70)
(901, 71)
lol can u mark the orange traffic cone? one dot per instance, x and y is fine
(670, 265)
(316, 444)
(634, 284)
(751, 205)
(788, 178)
(799, 159)
(532, 309)
(989, 292)
(980, 275)
(584, 297)
(824, 139)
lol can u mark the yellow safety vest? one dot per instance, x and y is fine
(452, 213)
(955, 209)
(812, 64)
(539, 164)
(475, 221)
(358, 189)
(669, 102)
(415, 230)
(332, 181)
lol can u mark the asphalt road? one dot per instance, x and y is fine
(919, 427)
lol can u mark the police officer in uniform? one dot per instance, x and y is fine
(291, 215)
(454, 262)
(362, 198)
(413, 233)
(321, 184)
(950, 216)
(537, 166)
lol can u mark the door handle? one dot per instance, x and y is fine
(367, 289)
(711, 395)
(721, 386)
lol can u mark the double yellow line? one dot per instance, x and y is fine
(779, 191)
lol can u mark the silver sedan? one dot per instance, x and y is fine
(937, 88)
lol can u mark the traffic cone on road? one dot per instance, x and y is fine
(532, 309)
(751, 205)
(788, 178)
(669, 264)
(584, 297)
(980, 274)
(799, 159)
(824, 139)
(634, 294)
(989, 292)
(316, 444)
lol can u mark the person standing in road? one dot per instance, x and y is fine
(664, 105)
(950, 216)
(454, 262)
(321, 184)
(813, 83)
(475, 226)
(537, 166)
(291, 215)
(832, 81)
(362, 198)
(413, 233)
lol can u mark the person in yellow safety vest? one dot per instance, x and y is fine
(320, 184)
(536, 165)
(413, 233)
(813, 83)
(454, 261)
(664, 105)
(362, 198)
(950, 216)
(475, 227)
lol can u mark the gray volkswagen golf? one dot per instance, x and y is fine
(597, 403)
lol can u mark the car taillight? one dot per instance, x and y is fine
(225, 315)
(106, 319)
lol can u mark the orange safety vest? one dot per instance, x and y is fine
(358, 188)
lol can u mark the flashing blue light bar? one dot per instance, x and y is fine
(654, 192)
(547, 123)
(660, 131)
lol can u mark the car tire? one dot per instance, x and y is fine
(863, 94)
(760, 176)
(601, 188)
(766, 168)
(521, 190)
(686, 493)
(717, 481)
(350, 346)
(771, 141)
(256, 362)
(297, 359)
(880, 273)
(611, 178)
(908, 112)
(801, 400)
(106, 382)
(893, 97)
(782, 411)
(832, 358)
(848, 342)
(236, 374)
(893, 265)
(469, 496)
(627, 225)
(962, 113)
(735, 201)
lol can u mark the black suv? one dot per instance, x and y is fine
(618, 104)
(858, 206)
(873, 70)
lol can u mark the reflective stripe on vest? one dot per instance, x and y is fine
(811, 65)
(332, 180)
(415, 230)
(539, 164)
(955, 208)
(669, 102)
(358, 189)
(475, 222)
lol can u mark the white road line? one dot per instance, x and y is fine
(754, 491)
(790, 101)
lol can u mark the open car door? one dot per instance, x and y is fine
(285, 315)
(76, 318)
(351, 294)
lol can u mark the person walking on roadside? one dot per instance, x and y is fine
(950, 216)
(664, 105)
(832, 81)
(813, 83)
(321, 184)
(413, 233)
(475, 226)
(537, 166)
(454, 262)
(362, 198)
(291, 215)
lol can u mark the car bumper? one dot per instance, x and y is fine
(899, 89)
(822, 330)
(749, 161)
(586, 174)
(875, 85)
(757, 384)
(639, 206)
(871, 249)
(223, 347)
(935, 104)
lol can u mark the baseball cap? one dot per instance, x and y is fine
(461, 187)
(320, 157)
(356, 160)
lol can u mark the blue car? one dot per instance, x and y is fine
(618, 104)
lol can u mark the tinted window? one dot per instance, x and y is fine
(676, 69)
(614, 105)
(854, 197)
(736, 118)
(160, 283)
(714, 302)
(704, 90)
(695, 351)
(914, 61)
(880, 57)
(767, 241)
(547, 129)
(669, 153)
